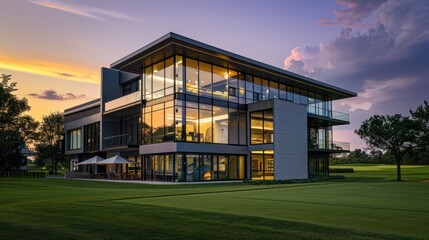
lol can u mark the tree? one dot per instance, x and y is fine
(16, 129)
(50, 136)
(396, 134)
(421, 116)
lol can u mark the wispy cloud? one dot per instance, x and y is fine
(66, 71)
(54, 95)
(84, 11)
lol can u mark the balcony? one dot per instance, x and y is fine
(331, 146)
(328, 117)
(123, 141)
(123, 102)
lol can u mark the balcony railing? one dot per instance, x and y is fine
(329, 114)
(121, 140)
(332, 145)
(123, 101)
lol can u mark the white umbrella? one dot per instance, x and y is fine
(116, 160)
(93, 160)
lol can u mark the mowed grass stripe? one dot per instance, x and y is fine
(343, 205)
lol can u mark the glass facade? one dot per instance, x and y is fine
(191, 167)
(262, 165)
(209, 106)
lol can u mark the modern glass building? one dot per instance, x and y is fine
(187, 111)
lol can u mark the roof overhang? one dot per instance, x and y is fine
(171, 44)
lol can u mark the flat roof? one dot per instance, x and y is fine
(133, 63)
(83, 106)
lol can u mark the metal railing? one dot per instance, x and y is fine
(329, 114)
(331, 145)
(122, 101)
(121, 140)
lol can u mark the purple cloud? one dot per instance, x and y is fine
(391, 52)
(53, 95)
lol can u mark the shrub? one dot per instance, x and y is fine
(341, 170)
(290, 181)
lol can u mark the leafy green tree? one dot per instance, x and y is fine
(396, 134)
(421, 116)
(49, 141)
(16, 129)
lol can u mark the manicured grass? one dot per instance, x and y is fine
(367, 171)
(362, 207)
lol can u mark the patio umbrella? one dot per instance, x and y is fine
(93, 160)
(116, 160)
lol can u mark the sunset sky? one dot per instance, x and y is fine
(379, 49)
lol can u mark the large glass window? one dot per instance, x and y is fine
(158, 123)
(262, 164)
(261, 127)
(91, 136)
(74, 139)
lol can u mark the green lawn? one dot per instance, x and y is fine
(361, 207)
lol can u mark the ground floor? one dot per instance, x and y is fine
(199, 167)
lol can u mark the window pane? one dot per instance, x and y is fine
(191, 124)
(220, 76)
(220, 124)
(169, 75)
(233, 126)
(191, 76)
(265, 90)
(148, 83)
(205, 79)
(206, 129)
(268, 126)
(283, 94)
(158, 126)
(242, 122)
(158, 80)
(268, 165)
(256, 128)
(179, 73)
(179, 120)
(223, 167)
(274, 90)
(169, 124)
(257, 161)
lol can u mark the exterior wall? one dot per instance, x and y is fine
(79, 123)
(290, 140)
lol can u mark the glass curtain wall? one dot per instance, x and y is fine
(191, 167)
(158, 123)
